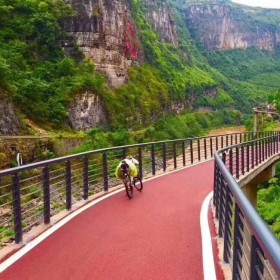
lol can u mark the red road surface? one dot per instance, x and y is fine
(156, 235)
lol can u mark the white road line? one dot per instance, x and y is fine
(207, 251)
(15, 257)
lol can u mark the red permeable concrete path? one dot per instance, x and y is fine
(155, 235)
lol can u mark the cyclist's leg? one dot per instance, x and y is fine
(128, 187)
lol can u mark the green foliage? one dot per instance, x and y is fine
(274, 99)
(222, 100)
(32, 64)
(172, 63)
(268, 205)
(170, 127)
(141, 101)
(245, 64)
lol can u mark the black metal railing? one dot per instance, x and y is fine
(32, 194)
(249, 246)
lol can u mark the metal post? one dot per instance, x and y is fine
(17, 209)
(68, 185)
(218, 193)
(217, 144)
(263, 149)
(224, 158)
(221, 213)
(227, 140)
(86, 163)
(230, 162)
(227, 233)
(105, 172)
(260, 150)
(175, 155)
(198, 149)
(184, 153)
(268, 145)
(47, 204)
(248, 157)
(242, 160)
(191, 145)
(266, 148)
(215, 184)
(153, 159)
(237, 162)
(211, 147)
(252, 156)
(205, 149)
(164, 156)
(256, 153)
(237, 239)
(222, 142)
(124, 152)
(256, 263)
(140, 161)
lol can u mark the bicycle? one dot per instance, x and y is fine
(136, 181)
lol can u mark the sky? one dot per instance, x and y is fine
(260, 3)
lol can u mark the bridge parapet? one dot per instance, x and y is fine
(249, 246)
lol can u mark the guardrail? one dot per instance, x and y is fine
(32, 194)
(250, 248)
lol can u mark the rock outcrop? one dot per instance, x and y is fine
(9, 124)
(87, 111)
(105, 32)
(217, 26)
(162, 21)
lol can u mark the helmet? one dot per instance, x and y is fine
(124, 165)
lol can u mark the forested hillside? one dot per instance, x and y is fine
(78, 64)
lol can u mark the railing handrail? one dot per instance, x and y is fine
(263, 234)
(270, 244)
(13, 170)
(81, 175)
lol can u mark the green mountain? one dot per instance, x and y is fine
(126, 64)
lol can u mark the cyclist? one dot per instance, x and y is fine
(130, 164)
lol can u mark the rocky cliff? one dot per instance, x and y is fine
(162, 20)
(87, 111)
(219, 26)
(9, 124)
(105, 32)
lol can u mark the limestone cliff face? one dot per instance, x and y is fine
(217, 27)
(105, 32)
(9, 124)
(161, 18)
(87, 111)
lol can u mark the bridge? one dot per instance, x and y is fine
(68, 218)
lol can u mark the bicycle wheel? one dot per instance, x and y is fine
(128, 188)
(137, 183)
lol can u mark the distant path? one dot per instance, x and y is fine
(156, 235)
(227, 130)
